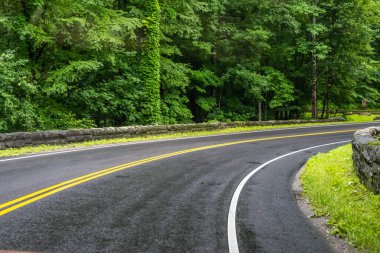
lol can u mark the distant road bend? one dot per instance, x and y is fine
(226, 193)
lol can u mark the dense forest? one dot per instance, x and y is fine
(70, 63)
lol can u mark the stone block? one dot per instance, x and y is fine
(366, 158)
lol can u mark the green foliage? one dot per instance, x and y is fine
(336, 192)
(203, 83)
(281, 88)
(68, 63)
(360, 118)
(61, 80)
(150, 64)
(174, 101)
(71, 49)
(17, 91)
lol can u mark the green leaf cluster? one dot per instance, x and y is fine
(69, 64)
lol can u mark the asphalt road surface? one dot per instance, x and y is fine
(168, 196)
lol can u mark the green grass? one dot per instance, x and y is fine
(350, 118)
(45, 148)
(334, 191)
(360, 118)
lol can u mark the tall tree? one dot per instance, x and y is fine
(150, 64)
(314, 70)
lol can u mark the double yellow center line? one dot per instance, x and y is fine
(15, 204)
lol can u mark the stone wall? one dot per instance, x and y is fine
(367, 157)
(22, 139)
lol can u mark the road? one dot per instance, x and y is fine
(165, 196)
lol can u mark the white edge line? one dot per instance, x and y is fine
(231, 225)
(171, 139)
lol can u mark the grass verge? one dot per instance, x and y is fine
(360, 118)
(334, 191)
(350, 118)
(46, 148)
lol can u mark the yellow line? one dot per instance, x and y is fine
(61, 184)
(43, 193)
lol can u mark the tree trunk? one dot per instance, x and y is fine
(336, 111)
(329, 87)
(314, 80)
(265, 111)
(220, 97)
(150, 64)
(29, 46)
(324, 108)
(328, 100)
(260, 111)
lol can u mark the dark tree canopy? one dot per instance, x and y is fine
(70, 64)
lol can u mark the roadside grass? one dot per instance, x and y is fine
(334, 191)
(350, 118)
(46, 148)
(360, 118)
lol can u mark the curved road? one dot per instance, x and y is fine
(165, 196)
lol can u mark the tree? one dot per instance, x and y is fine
(150, 64)
(126, 62)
